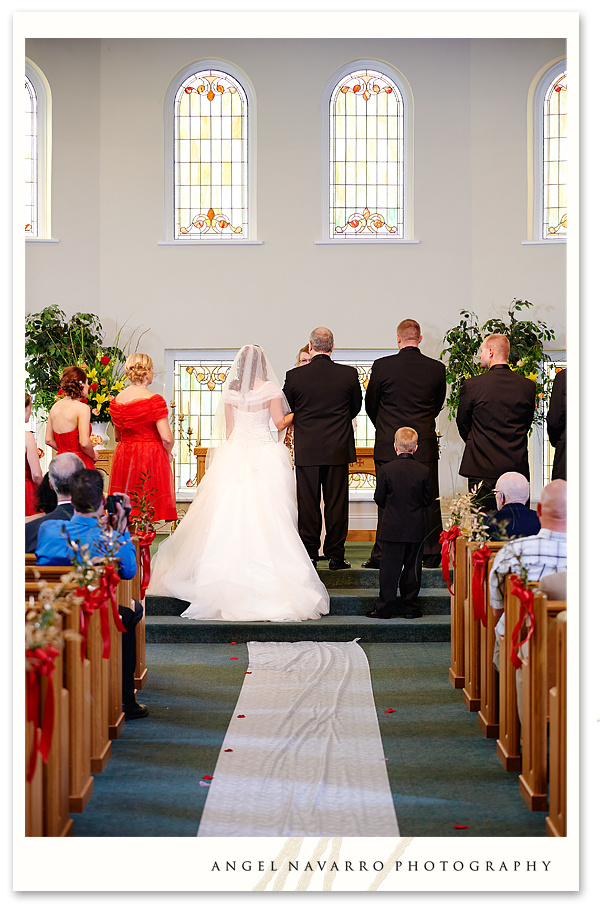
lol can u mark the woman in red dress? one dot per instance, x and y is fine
(33, 471)
(68, 428)
(144, 440)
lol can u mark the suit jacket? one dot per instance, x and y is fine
(556, 424)
(406, 389)
(403, 491)
(495, 413)
(63, 510)
(521, 521)
(52, 548)
(325, 397)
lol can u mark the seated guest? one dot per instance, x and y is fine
(554, 585)
(403, 492)
(541, 553)
(62, 469)
(45, 497)
(85, 527)
(513, 518)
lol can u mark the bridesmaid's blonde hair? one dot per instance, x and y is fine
(137, 367)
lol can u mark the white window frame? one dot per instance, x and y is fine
(44, 151)
(536, 118)
(169, 156)
(407, 97)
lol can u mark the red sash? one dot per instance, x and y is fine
(145, 542)
(480, 560)
(447, 539)
(97, 599)
(41, 664)
(525, 595)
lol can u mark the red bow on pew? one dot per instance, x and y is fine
(145, 543)
(97, 599)
(525, 595)
(41, 663)
(447, 539)
(480, 560)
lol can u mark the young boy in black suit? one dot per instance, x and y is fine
(403, 491)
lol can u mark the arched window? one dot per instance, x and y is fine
(549, 146)
(209, 168)
(369, 178)
(37, 153)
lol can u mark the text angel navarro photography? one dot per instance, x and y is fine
(440, 865)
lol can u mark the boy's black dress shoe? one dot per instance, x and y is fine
(132, 712)
(432, 562)
(335, 564)
(370, 564)
(375, 614)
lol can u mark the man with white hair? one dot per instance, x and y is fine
(513, 518)
(61, 471)
(495, 413)
(541, 553)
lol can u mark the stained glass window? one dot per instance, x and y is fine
(31, 160)
(554, 220)
(211, 158)
(366, 157)
(197, 388)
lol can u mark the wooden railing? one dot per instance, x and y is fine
(556, 820)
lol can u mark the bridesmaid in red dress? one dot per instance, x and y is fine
(144, 440)
(33, 471)
(68, 428)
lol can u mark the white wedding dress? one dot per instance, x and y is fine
(237, 554)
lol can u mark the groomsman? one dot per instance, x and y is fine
(325, 397)
(408, 390)
(556, 424)
(495, 413)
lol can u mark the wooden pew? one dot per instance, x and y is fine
(508, 747)
(56, 772)
(535, 701)
(488, 716)
(456, 672)
(556, 820)
(141, 670)
(34, 791)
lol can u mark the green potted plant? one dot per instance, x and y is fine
(527, 355)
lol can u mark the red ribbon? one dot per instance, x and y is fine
(480, 559)
(145, 543)
(91, 599)
(43, 665)
(108, 583)
(525, 595)
(447, 539)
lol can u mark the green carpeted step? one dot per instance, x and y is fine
(176, 630)
(357, 577)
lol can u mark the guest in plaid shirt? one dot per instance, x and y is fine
(543, 553)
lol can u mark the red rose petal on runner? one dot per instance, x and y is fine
(248, 671)
(461, 826)
(227, 750)
(233, 658)
(241, 715)
(390, 711)
(207, 777)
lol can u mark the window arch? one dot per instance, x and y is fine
(209, 113)
(37, 132)
(368, 183)
(550, 153)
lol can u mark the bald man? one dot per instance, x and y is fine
(542, 553)
(495, 413)
(513, 518)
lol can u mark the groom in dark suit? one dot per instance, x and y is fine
(408, 389)
(325, 397)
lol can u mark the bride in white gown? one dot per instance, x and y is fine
(237, 555)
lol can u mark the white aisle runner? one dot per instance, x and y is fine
(306, 758)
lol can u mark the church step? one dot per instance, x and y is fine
(343, 602)
(357, 577)
(175, 630)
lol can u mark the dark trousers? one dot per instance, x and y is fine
(400, 566)
(332, 480)
(130, 619)
(431, 544)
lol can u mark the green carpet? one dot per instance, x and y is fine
(442, 770)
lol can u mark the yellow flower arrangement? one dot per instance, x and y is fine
(106, 380)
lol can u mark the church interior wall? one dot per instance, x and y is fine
(470, 201)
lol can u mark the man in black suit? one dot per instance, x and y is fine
(325, 397)
(61, 471)
(403, 493)
(495, 413)
(556, 424)
(408, 389)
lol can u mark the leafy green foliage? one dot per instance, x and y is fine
(462, 344)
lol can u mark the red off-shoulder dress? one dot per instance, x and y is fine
(140, 449)
(69, 442)
(30, 488)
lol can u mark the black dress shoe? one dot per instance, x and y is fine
(335, 564)
(415, 613)
(132, 712)
(432, 562)
(375, 614)
(370, 564)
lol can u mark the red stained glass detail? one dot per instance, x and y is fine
(366, 96)
(223, 224)
(222, 378)
(356, 88)
(211, 214)
(389, 91)
(189, 90)
(345, 89)
(27, 227)
(376, 89)
(211, 385)
(200, 89)
(557, 89)
(379, 224)
(354, 224)
(189, 369)
(210, 95)
(220, 89)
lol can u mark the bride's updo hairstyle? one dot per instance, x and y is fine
(72, 381)
(137, 367)
(256, 368)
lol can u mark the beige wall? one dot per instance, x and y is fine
(470, 192)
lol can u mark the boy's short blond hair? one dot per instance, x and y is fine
(406, 439)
